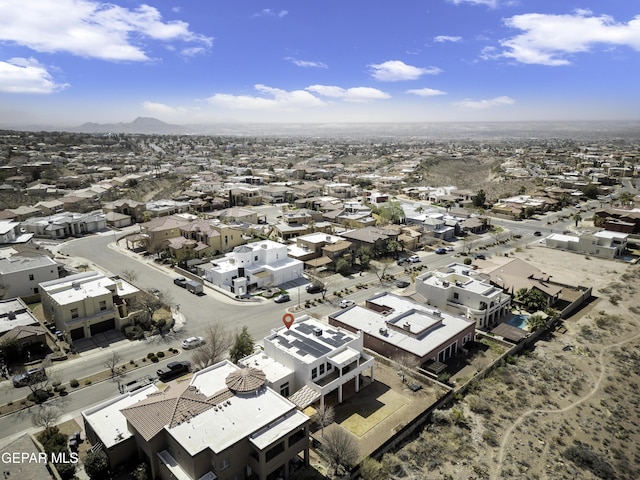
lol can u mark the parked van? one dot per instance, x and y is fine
(194, 287)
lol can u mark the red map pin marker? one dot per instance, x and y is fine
(287, 319)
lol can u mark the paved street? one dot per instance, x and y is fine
(99, 252)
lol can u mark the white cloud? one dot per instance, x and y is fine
(426, 92)
(488, 3)
(550, 39)
(27, 75)
(482, 104)
(396, 70)
(268, 12)
(446, 38)
(162, 109)
(355, 94)
(90, 28)
(306, 63)
(273, 99)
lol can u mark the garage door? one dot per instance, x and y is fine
(77, 333)
(102, 326)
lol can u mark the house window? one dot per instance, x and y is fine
(255, 259)
(322, 369)
(314, 372)
(456, 296)
(103, 305)
(74, 313)
(226, 463)
(31, 277)
(329, 367)
(36, 290)
(284, 389)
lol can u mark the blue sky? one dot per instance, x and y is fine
(201, 61)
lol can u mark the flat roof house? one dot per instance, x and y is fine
(311, 360)
(254, 265)
(458, 289)
(395, 326)
(224, 424)
(20, 276)
(85, 304)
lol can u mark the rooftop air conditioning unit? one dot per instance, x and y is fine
(317, 332)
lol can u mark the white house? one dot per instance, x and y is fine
(85, 304)
(606, 244)
(20, 276)
(66, 224)
(255, 265)
(457, 289)
(310, 360)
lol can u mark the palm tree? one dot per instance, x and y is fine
(577, 218)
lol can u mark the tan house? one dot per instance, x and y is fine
(89, 303)
(187, 238)
(224, 424)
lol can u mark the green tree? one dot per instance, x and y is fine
(342, 266)
(391, 212)
(536, 322)
(363, 254)
(242, 345)
(590, 191)
(96, 465)
(480, 198)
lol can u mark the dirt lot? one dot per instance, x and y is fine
(567, 409)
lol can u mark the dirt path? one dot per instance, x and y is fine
(520, 419)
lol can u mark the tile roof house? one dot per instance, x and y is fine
(225, 423)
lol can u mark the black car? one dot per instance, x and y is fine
(402, 284)
(480, 256)
(537, 234)
(314, 288)
(173, 369)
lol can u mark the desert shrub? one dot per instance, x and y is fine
(160, 354)
(583, 457)
(38, 396)
(66, 470)
(74, 383)
(154, 359)
(150, 354)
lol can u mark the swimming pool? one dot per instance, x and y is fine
(519, 321)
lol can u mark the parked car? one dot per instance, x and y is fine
(173, 369)
(346, 303)
(480, 256)
(192, 342)
(440, 251)
(402, 284)
(29, 377)
(401, 261)
(314, 288)
(283, 297)
(155, 292)
(537, 233)
(449, 249)
(413, 259)
(180, 281)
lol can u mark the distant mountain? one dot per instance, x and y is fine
(143, 125)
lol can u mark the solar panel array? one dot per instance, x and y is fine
(299, 337)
